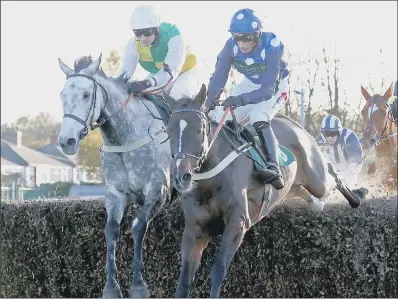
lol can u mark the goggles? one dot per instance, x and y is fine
(330, 134)
(145, 32)
(246, 37)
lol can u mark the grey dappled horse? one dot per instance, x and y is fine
(135, 162)
(233, 200)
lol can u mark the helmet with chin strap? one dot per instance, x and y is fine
(331, 124)
(245, 21)
(144, 16)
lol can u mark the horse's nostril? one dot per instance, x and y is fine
(71, 141)
(186, 177)
(372, 142)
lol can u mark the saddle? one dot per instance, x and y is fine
(247, 133)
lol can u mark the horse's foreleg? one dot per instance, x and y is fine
(154, 201)
(115, 203)
(192, 247)
(232, 237)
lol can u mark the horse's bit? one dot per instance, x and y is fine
(93, 124)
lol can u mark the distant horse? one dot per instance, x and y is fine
(380, 134)
(227, 198)
(135, 156)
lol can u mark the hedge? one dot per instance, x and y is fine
(56, 248)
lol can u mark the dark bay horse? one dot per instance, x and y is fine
(219, 194)
(380, 135)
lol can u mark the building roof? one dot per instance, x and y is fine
(25, 156)
(8, 163)
(54, 151)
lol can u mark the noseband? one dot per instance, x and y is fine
(93, 124)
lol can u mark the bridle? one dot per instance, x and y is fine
(102, 120)
(204, 150)
(92, 124)
(389, 118)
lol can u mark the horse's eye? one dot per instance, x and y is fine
(86, 95)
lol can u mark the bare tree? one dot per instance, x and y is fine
(312, 69)
(332, 85)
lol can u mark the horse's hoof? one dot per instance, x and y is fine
(317, 205)
(112, 291)
(139, 291)
(361, 192)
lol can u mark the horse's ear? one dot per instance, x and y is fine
(94, 67)
(365, 93)
(66, 69)
(201, 96)
(388, 93)
(169, 100)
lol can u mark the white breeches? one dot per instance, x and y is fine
(263, 111)
(186, 84)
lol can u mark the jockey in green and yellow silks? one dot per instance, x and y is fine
(159, 48)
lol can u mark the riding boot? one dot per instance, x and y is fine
(272, 173)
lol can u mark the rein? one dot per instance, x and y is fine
(205, 150)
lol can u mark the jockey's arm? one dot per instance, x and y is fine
(175, 58)
(269, 79)
(130, 59)
(220, 75)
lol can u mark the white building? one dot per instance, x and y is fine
(34, 167)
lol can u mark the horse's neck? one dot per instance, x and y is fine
(220, 148)
(123, 125)
(388, 147)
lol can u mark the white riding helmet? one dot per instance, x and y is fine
(144, 16)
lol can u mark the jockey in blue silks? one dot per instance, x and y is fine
(258, 56)
(342, 148)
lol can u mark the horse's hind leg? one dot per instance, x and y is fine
(192, 246)
(154, 201)
(232, 237)
(315, 203)
(115, 203)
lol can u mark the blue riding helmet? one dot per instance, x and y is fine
(331, 124)
(245, 21)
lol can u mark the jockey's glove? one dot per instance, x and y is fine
(233, 102)
(211, 103)
(138, 86)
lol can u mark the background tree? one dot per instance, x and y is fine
(36, 131)
(112, 64)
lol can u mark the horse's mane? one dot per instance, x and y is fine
(184, 102)
(82, 63)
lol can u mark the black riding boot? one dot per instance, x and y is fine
(272, 173)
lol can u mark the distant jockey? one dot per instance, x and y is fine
(342, 148)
